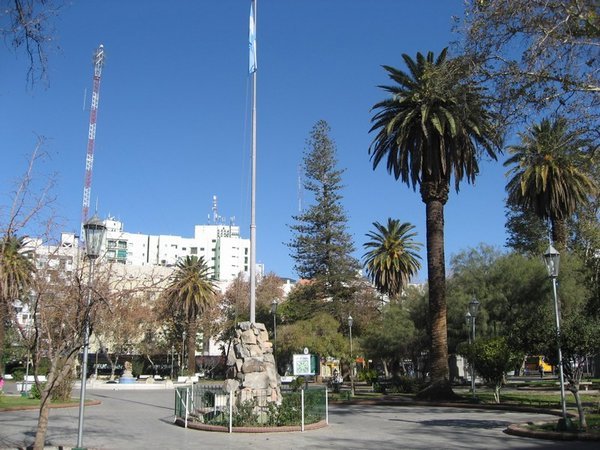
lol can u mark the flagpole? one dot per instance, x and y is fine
(253, 188)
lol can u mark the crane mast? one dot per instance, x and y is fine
(98, 61)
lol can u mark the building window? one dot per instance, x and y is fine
(193, 250)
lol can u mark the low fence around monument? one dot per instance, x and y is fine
(212, 406)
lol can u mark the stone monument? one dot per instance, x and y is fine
(127, 377)
(251, 369)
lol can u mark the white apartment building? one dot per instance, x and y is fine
(226, 253)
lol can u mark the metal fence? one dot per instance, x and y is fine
(212, 405)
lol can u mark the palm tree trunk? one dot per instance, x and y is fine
(434, 196)
(192, 330)
(436, 272)
(559, 234)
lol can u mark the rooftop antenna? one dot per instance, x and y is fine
(215, 210)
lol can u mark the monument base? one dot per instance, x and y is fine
(127, 380)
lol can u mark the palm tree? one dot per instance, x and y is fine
(391, 259)
(188, 295)
(548, 177)
(16, 275)
(433, 127)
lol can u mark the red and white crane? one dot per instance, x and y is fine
(98, 61)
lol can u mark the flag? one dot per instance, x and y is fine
(252, 39)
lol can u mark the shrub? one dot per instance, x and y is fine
(368, 375)
(406, 385)
(297, 384)
(36, 393)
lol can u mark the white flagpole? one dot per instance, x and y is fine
(253, 194)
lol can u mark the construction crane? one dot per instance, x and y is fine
(98, 61)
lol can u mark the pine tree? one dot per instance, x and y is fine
(321, 246)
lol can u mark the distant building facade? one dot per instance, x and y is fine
(226, 253)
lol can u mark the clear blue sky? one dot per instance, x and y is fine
(173, 124)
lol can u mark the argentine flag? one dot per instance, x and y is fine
(252, 39)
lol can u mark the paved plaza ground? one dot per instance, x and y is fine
(143, 419)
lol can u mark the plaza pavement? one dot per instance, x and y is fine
(143, 419)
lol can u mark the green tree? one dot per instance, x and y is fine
(431, 129)
(579, 340)
(391, 339)
(188, 295)
(548, 176)
(391, 259)
(321, 245)
(16, 275)
(321, 335)
(527, 233)
(493, 358)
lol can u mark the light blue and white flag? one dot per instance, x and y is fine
(252, 39)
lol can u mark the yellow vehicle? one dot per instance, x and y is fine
(533, 364)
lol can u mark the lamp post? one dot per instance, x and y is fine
(274, 304)
(552, 260)
(172, 358)
(468, 319)
(183, 353)
(473, 307)
(350, 322)
(94, 235)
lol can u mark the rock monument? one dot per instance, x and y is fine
(251, 369)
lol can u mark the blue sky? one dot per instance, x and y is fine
(173, 125)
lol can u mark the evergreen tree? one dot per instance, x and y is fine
(321, 246)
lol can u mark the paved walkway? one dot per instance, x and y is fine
(143, 420)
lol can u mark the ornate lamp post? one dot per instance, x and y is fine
(350, 322)
(552, 260)
(473, 307)
(94, 236)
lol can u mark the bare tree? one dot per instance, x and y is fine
(538, 55)
(27, 25)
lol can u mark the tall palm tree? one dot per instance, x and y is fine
(548, 175)
(16, 275)
(432, 128)
(188, 295)
(391, 259)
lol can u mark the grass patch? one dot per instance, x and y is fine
(16, 401)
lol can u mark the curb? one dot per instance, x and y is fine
(521, 429)
(284, 429)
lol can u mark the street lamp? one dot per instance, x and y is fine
(473, 307)
(183, 353)
(94, 236)
(350, 322)
(552, 260)
(172, 358)
(274, 312)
